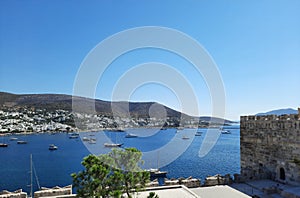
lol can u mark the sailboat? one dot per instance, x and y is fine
(32, 171)
(112, 144)
(155, 172)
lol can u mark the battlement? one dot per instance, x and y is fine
(270, 147)
(271, 117)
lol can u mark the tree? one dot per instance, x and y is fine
(152, 195)
(92, 181)
(111, 174)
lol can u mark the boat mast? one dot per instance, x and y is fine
(31, 177)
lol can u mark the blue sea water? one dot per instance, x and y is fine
(54, 167)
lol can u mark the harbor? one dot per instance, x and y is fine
(55, 167)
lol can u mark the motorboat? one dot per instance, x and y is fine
(185, 138)
(21, 142)
(52, 147)
(130, 135)
(225, 132)
(3, 145)
(85, 139)
(74, 136)
(13, 139)
(92, 141)
(156, 173)
(198, 133)
(112, 145)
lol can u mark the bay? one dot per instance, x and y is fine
(54, 167)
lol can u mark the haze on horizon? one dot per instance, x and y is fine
(255, 44)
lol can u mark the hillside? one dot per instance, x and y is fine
(52, 102)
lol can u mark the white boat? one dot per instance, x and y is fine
(112, 145)
(130, 135)
(198, 133)
(13, 139)
(185, 138)
(85, 139)
(52, 147)
(92, 141)
(156, 173)
(74, 136)
(21, 142)
(225, 132)
(3, 145)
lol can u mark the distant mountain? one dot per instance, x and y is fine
(279, 112)
(216, 120)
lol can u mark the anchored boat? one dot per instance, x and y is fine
(52, 147)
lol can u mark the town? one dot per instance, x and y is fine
(21, 120)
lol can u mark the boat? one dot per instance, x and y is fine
(85, 139)
(225, 132)
(156, 173)
(13, 139)
(52, 147)
(198, 133)
(112, 145)
(21, 142)
(74, 136)
(130, 135)
(3, 145)
(92, 141)
(185, 138)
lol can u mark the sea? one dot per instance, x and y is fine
(171, 150)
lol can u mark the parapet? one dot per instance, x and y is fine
(55, 192)
(15, 194)
(272, 117)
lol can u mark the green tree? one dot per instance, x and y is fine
(92, 181)
(111, 174)
(152, 195)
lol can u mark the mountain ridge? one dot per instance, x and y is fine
(279, 112)
(64, 101)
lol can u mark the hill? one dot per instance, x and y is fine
(52, 102)
(279, 112)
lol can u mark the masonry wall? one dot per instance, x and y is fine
(270, 148)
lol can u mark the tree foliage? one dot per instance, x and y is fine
(111, 174)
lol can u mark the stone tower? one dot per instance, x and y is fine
(270, 148)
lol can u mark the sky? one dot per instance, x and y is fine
(254, 44)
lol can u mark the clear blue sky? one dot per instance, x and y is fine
(256, 45)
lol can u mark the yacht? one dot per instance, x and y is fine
(13, 139)
(112, 145)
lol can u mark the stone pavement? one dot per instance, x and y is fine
(268, 189)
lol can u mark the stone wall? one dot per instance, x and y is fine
(270, 148)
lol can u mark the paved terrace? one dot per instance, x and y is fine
(268, 189)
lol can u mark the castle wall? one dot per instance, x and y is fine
(270, 148)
